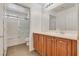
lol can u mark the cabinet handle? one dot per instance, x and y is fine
(60, 41)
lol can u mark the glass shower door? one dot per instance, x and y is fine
(24, 27)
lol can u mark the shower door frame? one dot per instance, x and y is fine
(29, 15)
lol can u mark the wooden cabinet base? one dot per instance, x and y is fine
(54, 46)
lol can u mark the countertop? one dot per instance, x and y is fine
(67, 34)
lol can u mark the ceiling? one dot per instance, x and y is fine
(29, 4)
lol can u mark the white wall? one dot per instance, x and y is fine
(1, 29)
(35, 22)
(45, 21)
(39, 21)
(67, 19)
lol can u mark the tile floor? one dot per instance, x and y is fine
(20, 50)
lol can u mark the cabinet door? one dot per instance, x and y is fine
(69, 48)
(49, 43)
(44, 45)
(74, 48)
(40, 47)
(53, 47)
(61, 47)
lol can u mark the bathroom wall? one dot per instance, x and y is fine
(67, 19)
(45, 20)
(1, 29)
(35, 22)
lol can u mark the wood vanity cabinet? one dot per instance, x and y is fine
(62, 47)
(54, 46)
(40, 43)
